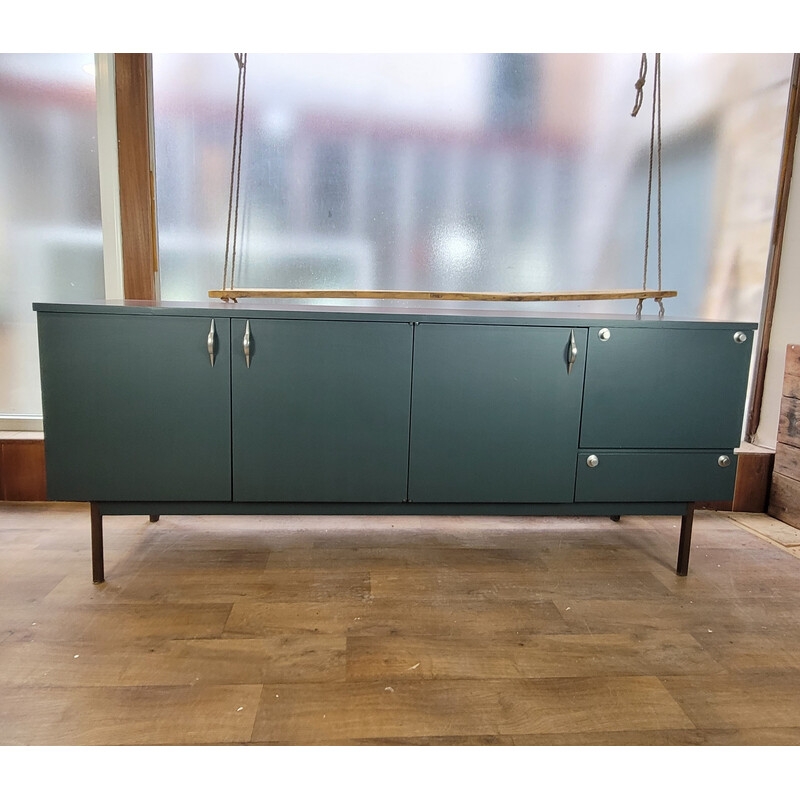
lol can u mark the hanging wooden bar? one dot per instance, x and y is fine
(388, 294)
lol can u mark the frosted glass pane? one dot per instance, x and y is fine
(50, 233)
(521, 172)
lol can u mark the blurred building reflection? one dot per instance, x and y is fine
(51, 245)
(507, 172)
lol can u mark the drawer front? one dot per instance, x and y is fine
(652, 476)
(660, 389)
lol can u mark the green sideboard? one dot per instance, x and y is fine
(284, 409)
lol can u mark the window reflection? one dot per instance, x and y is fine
(50, 232)
(496, 172)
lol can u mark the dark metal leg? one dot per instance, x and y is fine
(97, 543)
(685, 545)
(615, 517)
(154, 518)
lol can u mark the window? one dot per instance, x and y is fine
(50, 232)
(474, 172)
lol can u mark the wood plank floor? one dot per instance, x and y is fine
(224, 630)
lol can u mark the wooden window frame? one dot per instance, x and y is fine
(137, 201)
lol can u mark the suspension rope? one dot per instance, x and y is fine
(242, 61)
(657, 93)
(236, 169)
(233, 168)
(655, 155)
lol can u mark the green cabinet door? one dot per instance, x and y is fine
(321, 414)
(133, 408)
(665, 388)
(495, 413)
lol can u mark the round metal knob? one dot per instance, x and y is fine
(592, 461)
(739, 337)
(723, 461)
(604, 334)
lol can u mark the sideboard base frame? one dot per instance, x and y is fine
(154, 510)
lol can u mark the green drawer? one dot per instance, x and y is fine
(665, 389)
(652, 475)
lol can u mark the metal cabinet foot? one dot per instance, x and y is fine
(98, 575)
(685, 544)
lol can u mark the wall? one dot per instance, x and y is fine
(786, 322)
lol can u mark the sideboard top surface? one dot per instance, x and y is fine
(451, 313)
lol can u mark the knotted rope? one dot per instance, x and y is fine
(640, 85)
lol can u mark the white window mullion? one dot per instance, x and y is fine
(108, 158)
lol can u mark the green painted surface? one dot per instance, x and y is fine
(133, 409)
(134, 412)
(666, 476)
(322, 413)
(495, 414)
(670, 388)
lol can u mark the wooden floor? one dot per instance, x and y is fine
(384, 630)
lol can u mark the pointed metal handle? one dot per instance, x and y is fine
(246, 343)
(211, 333)
(573, 352)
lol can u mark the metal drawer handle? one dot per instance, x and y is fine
(592, 461)
(246, 343)
(723, 461)
(739, 337)
(211, 343)
(573, 351)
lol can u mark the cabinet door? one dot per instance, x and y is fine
(321, 414)
(495, 413)
(665, 388)
(133, 409)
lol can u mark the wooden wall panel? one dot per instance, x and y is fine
(22, 472)
(791, 387)
(792, 360)
(137, 201)
(787, 462)
(784, 501)
(789, 423)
